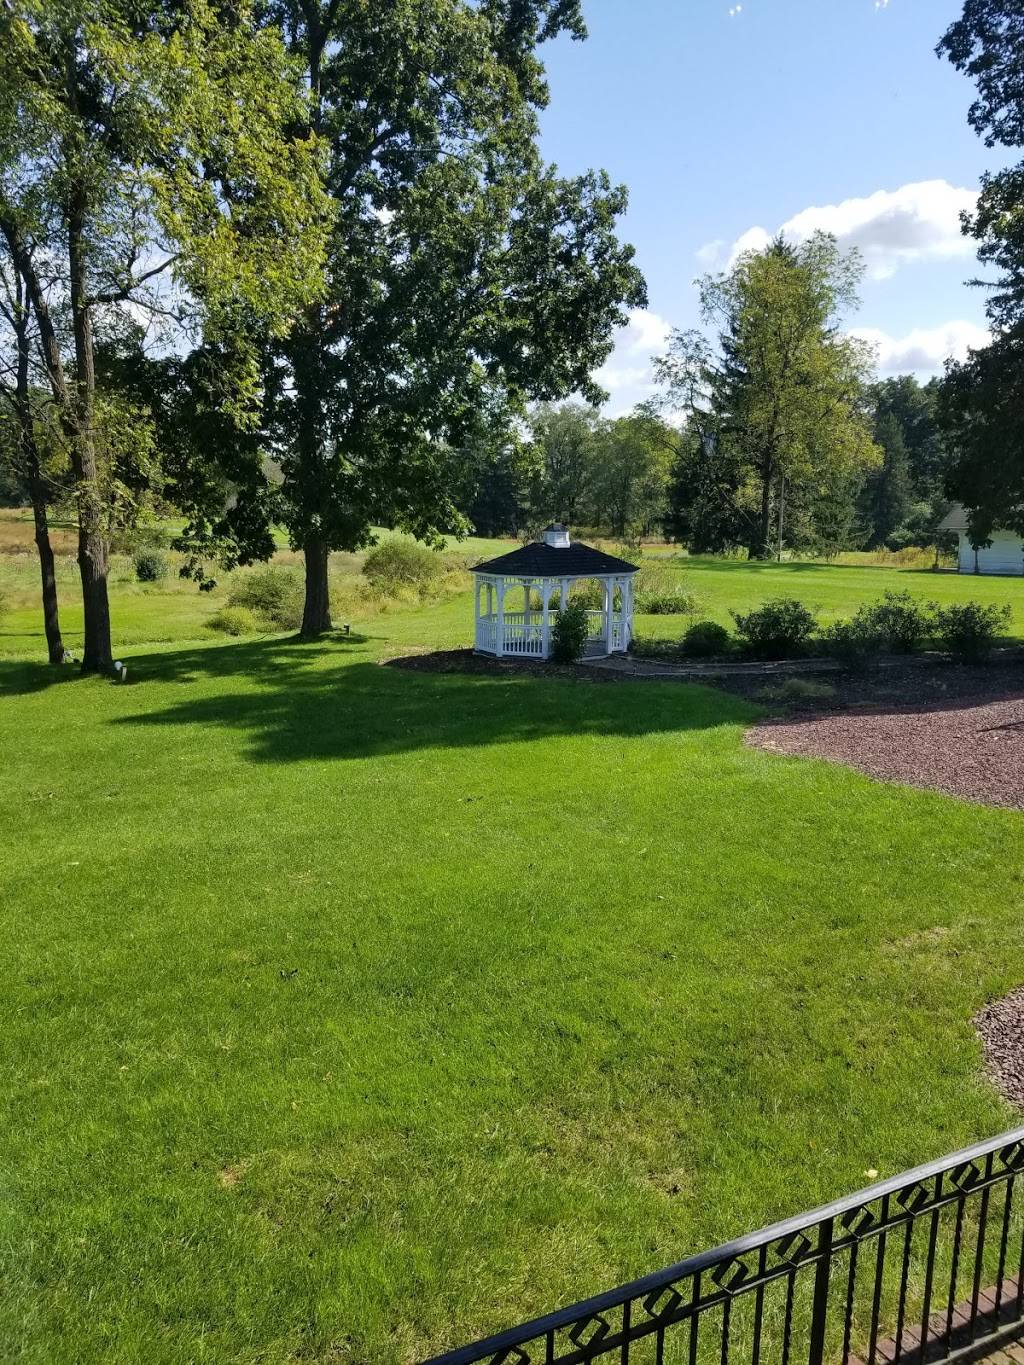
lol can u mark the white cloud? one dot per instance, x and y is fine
(646, 332)
(925, 350)
(891, 228)
(627, 373)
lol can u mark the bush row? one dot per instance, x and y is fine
(785, 628)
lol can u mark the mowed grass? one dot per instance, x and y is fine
(349, 1012)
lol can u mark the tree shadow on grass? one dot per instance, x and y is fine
(300, 702)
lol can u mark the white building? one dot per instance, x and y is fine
(1004, 555)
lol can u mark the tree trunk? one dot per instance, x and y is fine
(29, 461)
(51, 614)
(759, 547)
(93, 557)
(316, 613)
(51, 611)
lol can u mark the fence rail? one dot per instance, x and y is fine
(922, 1267)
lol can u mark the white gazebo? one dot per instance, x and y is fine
(513, 596)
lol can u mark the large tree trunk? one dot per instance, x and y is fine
(93, 551)
(316, 613)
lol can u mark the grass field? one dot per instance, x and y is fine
(349, 1012)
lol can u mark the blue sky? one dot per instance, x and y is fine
(722, 120)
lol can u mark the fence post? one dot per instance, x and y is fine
(819, 1314)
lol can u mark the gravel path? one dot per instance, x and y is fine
(1001, 1029)
(969, 748)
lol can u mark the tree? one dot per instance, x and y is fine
(21, 442)
(889, 490)
(459, 264)
(980, 400)
(981, 408)
(780, 408)
(628, 491)
(140, 144)
(567, 441)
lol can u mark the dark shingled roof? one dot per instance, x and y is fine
(548, 561)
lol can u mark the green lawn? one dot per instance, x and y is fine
(349, 1012)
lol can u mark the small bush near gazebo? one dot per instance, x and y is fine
(569, 634)
(780, 629)
(705, 640)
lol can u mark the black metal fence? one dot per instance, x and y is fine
(925, 1266)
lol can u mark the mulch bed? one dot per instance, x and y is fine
(1001, 1030)
(954, 729)
(465, 661)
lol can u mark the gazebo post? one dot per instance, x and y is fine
(500, 639)
(545, 619)
(476, 612)
(609, 609)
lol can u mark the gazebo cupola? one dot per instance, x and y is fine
(513, 597)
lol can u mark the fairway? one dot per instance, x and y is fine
(351, 1011)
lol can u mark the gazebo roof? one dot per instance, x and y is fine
(541, 560)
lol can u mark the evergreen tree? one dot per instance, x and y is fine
(889, 490)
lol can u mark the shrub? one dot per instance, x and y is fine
(969, 630)
(569, 634)
(854, 642)
(797, 692)
(150, 566)
(900, 621)
(778, 629)
(397, 564)
(705, 639)
(274, 594)
(588, 593)
(659, 591)
(235, 621)
(649, 647)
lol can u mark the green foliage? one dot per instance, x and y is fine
(150, 566)
(970, 630)
(900, 620)
(982, 398)
(778, 411)
(569, 634)
(855, 642)
(651, 647)
(660, 591)
(274, 594)
(706, 640)
(797, 692)
(464, 274)
(396, 565)
(779, 629)
(235, 621)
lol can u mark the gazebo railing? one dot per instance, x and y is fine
(921, 1268)
(524, 633)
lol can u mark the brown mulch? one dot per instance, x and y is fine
(962, 735)
(1001, 1030)
(465, 661)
